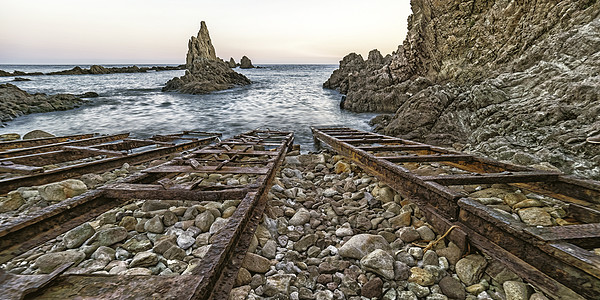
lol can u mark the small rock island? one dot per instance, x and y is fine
(205, 72)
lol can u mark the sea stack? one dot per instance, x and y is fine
(232, 63)
(205, 72)
(246, 63)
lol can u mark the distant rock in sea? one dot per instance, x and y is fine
(205, 72)
(21, 79)
(95, 69)
(512, 80)
(232, 63)
(15, 102)
(246, 63)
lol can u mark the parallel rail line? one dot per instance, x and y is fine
(212, 279)
(556, 259)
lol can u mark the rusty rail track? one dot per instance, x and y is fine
(555, 259)
(26, 164)
(212, 279)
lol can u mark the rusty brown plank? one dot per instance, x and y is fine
(58, 146)
(46, 158)
(509, 177)
(427, 158)
(90, 151)
(395, 148)
(234, 152)
(157, 192)
(42, 141)
(375, 141)
(20, 169)
(205, 169)
(10, 184)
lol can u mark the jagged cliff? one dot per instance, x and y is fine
(205, 72)
(515, 80)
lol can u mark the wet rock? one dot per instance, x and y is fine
(59, 191)
(470, 268)
(78, 235)
(256, 263)
(379, 262)
(535, 216)
(452, 288)
(144, 259)
(154, 225)
(516, 290)
(362, 244)
(373, 288)
(50, 261)
(37, 134)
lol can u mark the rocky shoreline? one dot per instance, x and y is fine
(330, 231)
(97, 69)
(15, 102)
(471, 76)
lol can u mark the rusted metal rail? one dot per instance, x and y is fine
(26, 165)
(555, 259)
(213, 278)
(42, 141)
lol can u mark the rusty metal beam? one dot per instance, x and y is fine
(490, 178)
(58, 146)
(427, 158)
(42, 141)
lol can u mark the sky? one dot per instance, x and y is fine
(155, 32)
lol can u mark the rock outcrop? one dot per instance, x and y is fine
(15, 102)
(96, 69)
(205, 72)
(515, 81)
(232, 63)
(246, 63)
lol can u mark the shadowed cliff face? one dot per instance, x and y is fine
(512, 80)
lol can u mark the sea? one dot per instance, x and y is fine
(281, 97)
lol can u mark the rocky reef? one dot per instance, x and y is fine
(205, 72)
(95, 69)
(513, 80)
(15, 102)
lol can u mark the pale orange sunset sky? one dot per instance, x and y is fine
(152, 31)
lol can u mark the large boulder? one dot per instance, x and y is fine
(37, 134)
(205, 72)
(59, 191)
(362, 244)
(246, 63)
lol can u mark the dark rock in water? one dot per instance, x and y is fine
(246, 63)
(75, 71)
(15, 102)
(486, 84)
(205, 72)
(37, 134)
(4, 73)
(9, 137)
(88, 95)
(232, 63)
(21, 79)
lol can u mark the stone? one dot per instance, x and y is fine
(475, 289)
(246, 63)
(452, 288)
(452, 253)
(46, 263)
(401, 220)
(12, 201)
(243, 277)
(269, 249)
(379, 262)
(535, 216)
(109, 236)
(470, 268)
(144, 259)
(305, 242)
(342, 167)
(169, 218)
(78, 235)
(136, 271)
(500, 273)
(174, 252)
(279, 283)
(407, 295)
(10, 136)
(408, 234)
(137, 245)
(185, 241)
(205, 72)
(421, 277)
(162, 245)
(256, 263)
(200, 252)
(373, 288)
(154, 225)
(301, 217)
(128, 222)
(362, 244)
(538, 296)
(240, 292)
(426, 233)
(37, 134)
(401, 271)
(430, 258)
(516, 290)
(59, 191)
(204, 220)
(419, 291)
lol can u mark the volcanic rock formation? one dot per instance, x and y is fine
(205, 72)
(513, 80)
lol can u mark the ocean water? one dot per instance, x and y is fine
(281, 97)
